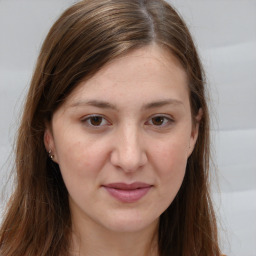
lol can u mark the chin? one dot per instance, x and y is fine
(129, 223)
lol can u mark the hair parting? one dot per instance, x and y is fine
(87, 36)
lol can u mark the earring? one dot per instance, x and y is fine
(50, 154)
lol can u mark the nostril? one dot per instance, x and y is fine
(128, 150)
(128, 161)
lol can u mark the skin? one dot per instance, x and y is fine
(144, 132)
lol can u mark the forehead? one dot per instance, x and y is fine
(146, 74)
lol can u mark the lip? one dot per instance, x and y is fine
(128, 193)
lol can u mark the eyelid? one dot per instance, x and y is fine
(170, 120)
(87, 118)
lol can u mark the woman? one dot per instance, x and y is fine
(112, 155)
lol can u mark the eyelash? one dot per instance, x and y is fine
(88, 121)
(167, 120)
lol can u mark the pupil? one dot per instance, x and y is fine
(158, 120)
(96, 120)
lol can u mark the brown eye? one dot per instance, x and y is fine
(158, 120)
(95, 120)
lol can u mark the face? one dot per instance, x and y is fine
(122, 140)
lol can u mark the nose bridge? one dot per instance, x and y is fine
(129, 153)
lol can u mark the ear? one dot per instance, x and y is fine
(49, 142)
(194, 132)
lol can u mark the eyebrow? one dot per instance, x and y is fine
(162, 103)
(107, 105)
(94, 103)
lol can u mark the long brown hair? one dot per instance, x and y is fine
(87, 36)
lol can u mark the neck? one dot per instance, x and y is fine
(89, 239)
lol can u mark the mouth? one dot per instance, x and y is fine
(128, 193)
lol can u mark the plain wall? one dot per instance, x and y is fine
(225, 33)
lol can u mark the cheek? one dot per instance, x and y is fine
(170, 160)
(80, 157)
(81, 162)
(173, 153)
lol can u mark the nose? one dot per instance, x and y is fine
(129, 153)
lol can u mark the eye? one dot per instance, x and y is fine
(160, 121)
(95, 121)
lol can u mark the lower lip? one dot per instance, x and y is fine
(128, 196)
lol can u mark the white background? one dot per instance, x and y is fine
(225, 33)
